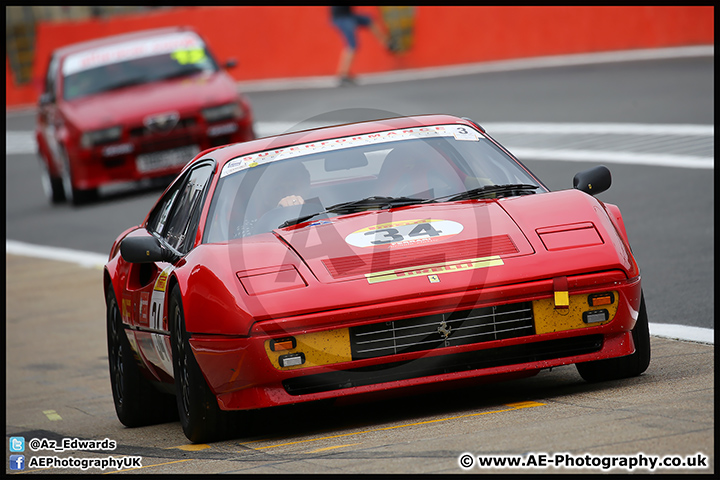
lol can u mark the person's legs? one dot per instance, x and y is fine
(347, 27)
(346, 58)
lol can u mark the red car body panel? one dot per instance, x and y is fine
(61, 123)
(307, 282)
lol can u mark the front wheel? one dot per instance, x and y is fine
(52, 185)
(623, 367)
(74, 196)
(201, 418)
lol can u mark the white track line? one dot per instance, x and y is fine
(627, 158)
(683, 332)
(84, 259)
(97, 260)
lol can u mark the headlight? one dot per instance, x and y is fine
(223, 112)
(98, 137)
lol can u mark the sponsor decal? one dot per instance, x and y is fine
(460, 132)
(126, 309)
(147, 47)
(465, 134)
(161, 282)
(320, 222)
(161, 348)
(434, 269)
(157, 301)
(144, 308)
(405, 233)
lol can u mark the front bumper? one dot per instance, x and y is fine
(326, 362)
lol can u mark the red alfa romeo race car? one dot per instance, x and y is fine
(362, 258)
(133, 106)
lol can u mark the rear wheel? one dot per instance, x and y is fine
(623, 367)
(200, 416)
(137, 402)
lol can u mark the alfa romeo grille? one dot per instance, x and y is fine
(182, 125)
(442, 330)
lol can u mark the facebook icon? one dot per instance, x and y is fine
(17, 462)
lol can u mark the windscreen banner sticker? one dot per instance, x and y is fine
(268, 156)
(147, 47)
(405, 233)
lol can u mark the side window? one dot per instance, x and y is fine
(182, 218)
(156, 223)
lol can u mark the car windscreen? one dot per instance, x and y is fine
(133, 63)
(259, 192)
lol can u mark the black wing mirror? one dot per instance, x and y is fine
(593, 181)
(145, 249)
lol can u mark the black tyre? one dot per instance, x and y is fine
(52, 185)
(623, 367)
(137, 402)
(200, 416)
(74, 196)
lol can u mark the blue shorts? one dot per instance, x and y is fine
(348, 24)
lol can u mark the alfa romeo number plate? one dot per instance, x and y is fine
(149, 162)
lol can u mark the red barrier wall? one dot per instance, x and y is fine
(286, 42)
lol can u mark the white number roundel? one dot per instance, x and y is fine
(403, 232)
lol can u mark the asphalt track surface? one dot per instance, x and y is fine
(57, 384)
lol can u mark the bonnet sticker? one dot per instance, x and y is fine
(406, 232)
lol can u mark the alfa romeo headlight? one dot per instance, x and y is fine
(99, 137)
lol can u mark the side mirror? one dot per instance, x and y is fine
(145, 249)
(593, 181)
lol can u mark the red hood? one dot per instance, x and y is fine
(368, 243)
(545, 235)
(132, 104)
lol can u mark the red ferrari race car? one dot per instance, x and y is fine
(362, 258)
(133, 106)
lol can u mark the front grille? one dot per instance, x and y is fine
(442, 330)
(437, 365)
(183, 124)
